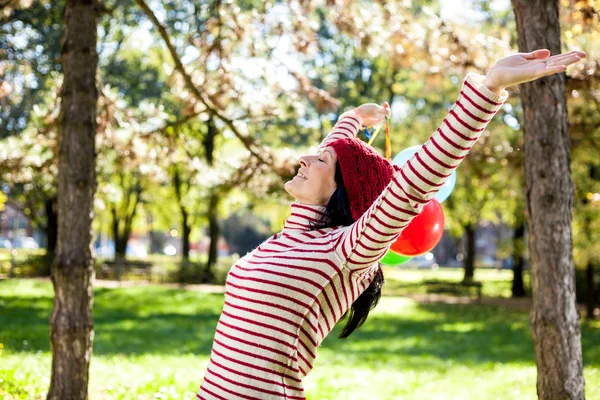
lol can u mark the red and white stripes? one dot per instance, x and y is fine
(418, 181)
(284, 297)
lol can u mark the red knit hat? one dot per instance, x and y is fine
(364, 171)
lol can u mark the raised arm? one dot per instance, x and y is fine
(368, 239)
(348, 125)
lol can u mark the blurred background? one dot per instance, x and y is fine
(205, 107)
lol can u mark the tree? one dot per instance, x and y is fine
(29, 65)
(549, 193)
(71, 325)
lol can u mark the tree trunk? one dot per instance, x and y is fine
(185, 238)
(120, 246)
(209, 141)
(126, 234)
(51, 225)
(549, 192)
(185, 225)
(213, 229)
(121, 237)
(590, 293)
(469, 260)
(71, 324)
(518, 289)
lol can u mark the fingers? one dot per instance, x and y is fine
(563, 60)
(386, 109)
(560, 58)
(536, 54)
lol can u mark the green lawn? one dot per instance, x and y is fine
(154, 342)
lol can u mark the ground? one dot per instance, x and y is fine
(153, 342)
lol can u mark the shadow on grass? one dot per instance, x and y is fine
(468, 334)
(128, 326)
(155, 320)
(126, 321)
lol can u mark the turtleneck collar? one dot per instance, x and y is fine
(302, 215)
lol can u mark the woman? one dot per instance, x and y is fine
(285, 296)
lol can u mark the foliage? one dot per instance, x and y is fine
(229, 94)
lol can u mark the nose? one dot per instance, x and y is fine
(304, 161)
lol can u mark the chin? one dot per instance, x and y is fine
(292, 188)
(289, 187)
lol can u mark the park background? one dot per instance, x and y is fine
(191, 167)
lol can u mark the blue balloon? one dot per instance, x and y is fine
(405, 155)
(446, 188)
(402, 158)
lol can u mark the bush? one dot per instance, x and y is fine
(195, 272)
(27, 263)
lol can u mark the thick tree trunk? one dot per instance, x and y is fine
(549, 193)
(518, 289)
(469, 260)
(214, 233)
(590, 292)
(71, 325)
(50, 206)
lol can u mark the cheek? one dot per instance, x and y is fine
(327, 180)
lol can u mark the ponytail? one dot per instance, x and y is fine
(337, 213)
(358, 313)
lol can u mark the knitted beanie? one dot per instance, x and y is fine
(364, 171)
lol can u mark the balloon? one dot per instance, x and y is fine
(405, 155)
(448, 186)
(423, 233)
(392, 258)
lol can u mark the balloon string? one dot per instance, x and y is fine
(374, 135)
(388, 143)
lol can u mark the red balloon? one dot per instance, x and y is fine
(423, 233)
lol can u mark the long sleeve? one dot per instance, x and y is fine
(417, 182)
(348, 125)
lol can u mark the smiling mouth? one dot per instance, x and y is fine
(301, 175)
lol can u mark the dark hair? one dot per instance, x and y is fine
(337, 213)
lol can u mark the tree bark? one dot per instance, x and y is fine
(469, 260)
(549, 192)
(518, 288)
(71, 324)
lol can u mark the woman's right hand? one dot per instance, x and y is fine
(373, 114)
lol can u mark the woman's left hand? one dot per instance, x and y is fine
(525, 67)
(373, 114)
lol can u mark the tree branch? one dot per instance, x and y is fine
(259, 151)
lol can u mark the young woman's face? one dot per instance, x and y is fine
(315, 182)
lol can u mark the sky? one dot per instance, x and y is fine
(460, 10)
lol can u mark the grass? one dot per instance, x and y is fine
(154, 342)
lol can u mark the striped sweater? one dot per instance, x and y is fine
(284, 297)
